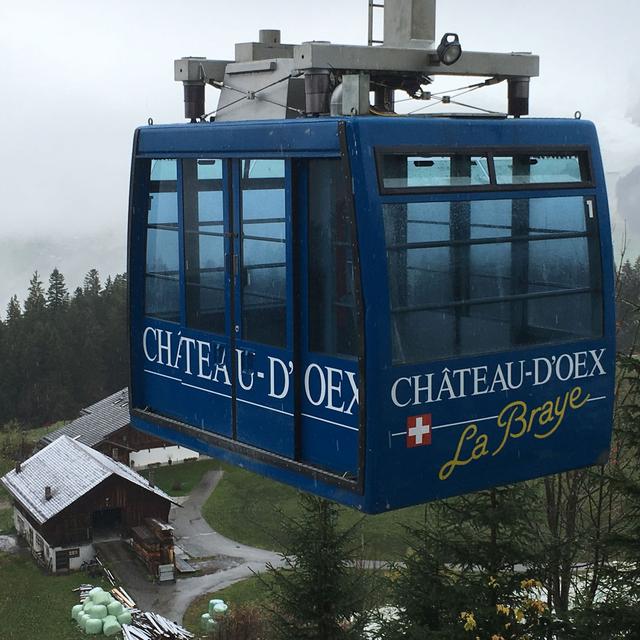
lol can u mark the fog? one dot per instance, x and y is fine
(78, 77)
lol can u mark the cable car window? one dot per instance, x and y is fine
(264, 245)
(541, 168)
(162, 298)
(204, 253)
(489, 275)
(403, 171)
(332, 318)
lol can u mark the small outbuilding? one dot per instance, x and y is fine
(104, 426)
(67, 495)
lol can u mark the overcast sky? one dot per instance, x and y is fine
(79, 76)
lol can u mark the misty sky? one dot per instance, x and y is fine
(78, 77)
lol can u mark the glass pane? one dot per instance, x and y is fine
(204, 245)
(262, 169)
(162, 251)
(557, 215)
(163, 208)
(162, 298)
(264, 237)
(459, 283)
(164, 170)
(541, 169)
(558, 264)
(332, 318)
(402, 171)
(209, 169)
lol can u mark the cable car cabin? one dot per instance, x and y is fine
(381, 311)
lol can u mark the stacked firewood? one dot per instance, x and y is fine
(151, 626)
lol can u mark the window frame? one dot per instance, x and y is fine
(583, 152)
(162, 186)
(591, 235)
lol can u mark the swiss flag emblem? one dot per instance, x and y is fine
(419, 430)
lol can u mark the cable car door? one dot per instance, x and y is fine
(329, 371)
(262, 300)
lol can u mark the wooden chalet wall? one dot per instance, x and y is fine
(119, 444)
(74, 524)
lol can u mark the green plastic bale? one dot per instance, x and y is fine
(115, 608)
(98, 611)
(95, 590)
(82, 620)
(111, 628)
(211, 626)
(93, 627)
(75, 611)
(102, 598)
(88, 603)
(204, 621)
(219, 610)
(125, 617)
(213, 603)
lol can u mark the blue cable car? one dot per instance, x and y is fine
(379, 310)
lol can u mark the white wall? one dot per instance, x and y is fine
(37, 543)
(161, 456)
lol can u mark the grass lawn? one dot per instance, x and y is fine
(6, 520)
(180, 479)
(247, 508)
(36, 605)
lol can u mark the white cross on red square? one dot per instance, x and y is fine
(419, 430)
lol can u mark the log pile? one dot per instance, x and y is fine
(121, 595)
(151, 626)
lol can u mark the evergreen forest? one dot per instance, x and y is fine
(62, 351)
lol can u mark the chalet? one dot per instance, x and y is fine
(67, 495)
(104, 426)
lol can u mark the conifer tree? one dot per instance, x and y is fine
(57, 293)
(318, 594)
(91, 285)
(14, 310)
(35, 302)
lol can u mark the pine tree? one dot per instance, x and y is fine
(318, 595)
(35, 302)
(57, 293)
(14, 310)
(91, 285)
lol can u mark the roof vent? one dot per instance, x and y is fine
(47, 493)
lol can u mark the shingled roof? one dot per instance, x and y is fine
(70, 469)
(97, 422)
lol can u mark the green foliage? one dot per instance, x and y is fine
(64, 353)
(613, 603)
(465, 574)
(318, 595)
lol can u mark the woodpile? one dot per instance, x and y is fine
(151, 626)
(123, 597)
